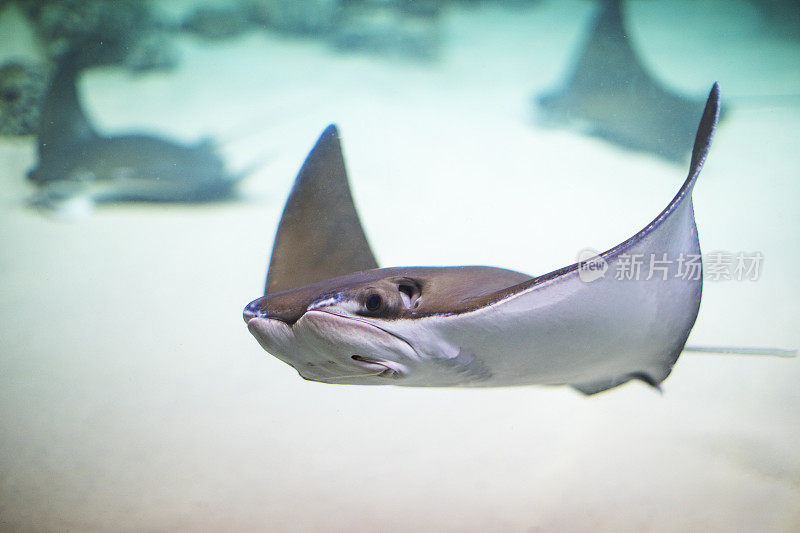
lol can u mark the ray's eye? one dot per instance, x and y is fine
(373, 302)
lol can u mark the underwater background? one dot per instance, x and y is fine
(132, 396)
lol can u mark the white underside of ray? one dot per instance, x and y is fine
(567, 331)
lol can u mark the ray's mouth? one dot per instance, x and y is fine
(384, 368)
(318, 345)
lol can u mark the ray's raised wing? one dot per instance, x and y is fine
(63, 125)
(596, 329)
(675, 221)
(319, 235)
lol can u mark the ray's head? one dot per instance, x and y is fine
(332, 331)
(370, 327)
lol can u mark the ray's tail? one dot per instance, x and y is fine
(742, 350)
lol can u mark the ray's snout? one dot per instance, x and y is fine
(284, 307)
(252, 310)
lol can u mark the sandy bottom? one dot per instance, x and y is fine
(133, 398)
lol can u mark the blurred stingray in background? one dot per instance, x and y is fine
(611, 95)
(77, 167)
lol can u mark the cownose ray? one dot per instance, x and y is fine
(77, 165)
(336, 318)
(611, 95)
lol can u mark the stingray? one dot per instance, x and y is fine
(77, 165)
(330, 313)
(611, 95)
(336, 318)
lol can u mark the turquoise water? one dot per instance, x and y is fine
(133, 397)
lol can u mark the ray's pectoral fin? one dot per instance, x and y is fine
(319, 235)
(595, 387)
(672, 233)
